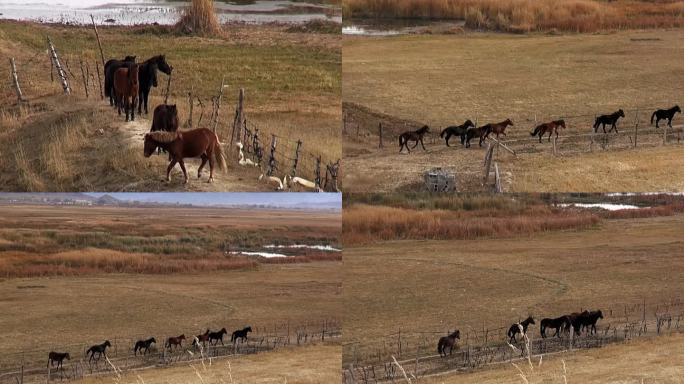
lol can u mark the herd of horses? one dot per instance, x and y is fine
(128, 83)
(468, 131)
(575, 322)
(95, 352)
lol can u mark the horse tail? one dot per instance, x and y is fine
(219, 156)
(536, 130)
(653, 117)
(444, 131)
(596, 123)
(401, 140)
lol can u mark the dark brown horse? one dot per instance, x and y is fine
(611, 119)
(515, 328)
(663, 114)
(110, 67)
(448, 342)
(100, 349)
(165, 118)
(240, 334)
(145, 345)
(217, 337)
(459, 130)
(173, 342)
(416, 136)
(57, 357)
(472, 133)
(559, 324)
(497, 129)
(551, 127)
(576, 321)
(126, 89)
(203, 338)
(588, 320)
(201, 142)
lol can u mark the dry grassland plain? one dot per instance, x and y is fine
(292, 87)
(495, 281)
(126, 273)
(443, 80)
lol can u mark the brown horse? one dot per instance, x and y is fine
(126, 86)
(416, 136)
(173, 342)
(165, 118)
(201, 142)
(448, 342)
(203, 338)
(497, 129)
(551, 127)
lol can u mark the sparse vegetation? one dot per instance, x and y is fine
(529, 15)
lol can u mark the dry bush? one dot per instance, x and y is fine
(200, 19)
(362, 223)
(528, 15)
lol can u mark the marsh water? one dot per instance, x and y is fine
(133, 12)
(385, 27)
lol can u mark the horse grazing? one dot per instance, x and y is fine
(551, 127)
(148, 78)
(611, 119)
(416, 136)
(201, 142)
(448, 342)
(173, 342)
(515, 328)
(57, 357)
(471, 133)
(217, 336)
(588, 320)
(459, 130)
(100, 349)
(663, 114)
(110, 67)
(497, 129)
(203, 338)
(143, 344)
(126, 89)
(240, 334)
(559, 324)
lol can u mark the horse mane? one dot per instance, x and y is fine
(163, 136)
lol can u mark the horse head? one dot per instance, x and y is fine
(248, 329)
(107, 344)
(425, 129)
(468, 124)
(456, 334)
(600, 314)
(163, 65)
(150, 145)
(621, 113)
(530, 320)
(130, 59)
(677, 109)
(508, 122)
(67, 356)
(181, 337)
(223, 331)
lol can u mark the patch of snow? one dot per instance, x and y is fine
(606, 206)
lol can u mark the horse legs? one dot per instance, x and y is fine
(127, 106)
(614, 127)
(211, 168)
(204, 161)
(168, 178)
(421, 144)
(133, 102)
(185, 173)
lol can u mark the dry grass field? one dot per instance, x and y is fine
(436, 286)
(444, 80)
(291, 81)
(656, 360)
(293, 365)
(526, 15)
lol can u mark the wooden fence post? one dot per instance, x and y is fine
(85, 81)
(272, 160)
(499, 188)
(15, 79)
(168, 88)
(239, 113)
(296, 162)
(60, 70)
(218, 103)
(190, 101)
(636, 128)
(380, 134)
(99, 44)
(487, 162)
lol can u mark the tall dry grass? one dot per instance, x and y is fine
(529, 15)
(200, 19)
(363, 223)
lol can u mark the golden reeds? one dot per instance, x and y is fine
(200, 19)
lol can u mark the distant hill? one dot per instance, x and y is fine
(57, 197)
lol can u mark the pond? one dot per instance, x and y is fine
(134, 12)
(367, 27)
(606, 206)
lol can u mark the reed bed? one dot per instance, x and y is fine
(528, 15)
(200, 19)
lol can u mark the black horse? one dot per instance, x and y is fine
(448, 342)
(240, 334)
(611, 120)
(458, 130)
(588, 320)
(57, 357)
(215, 337)
(576, 320)
(109, 69)
(515, 328)
(147, 77)
(141, 345)
(100, 349)
(559, 324)
(663, 114)
(416, 136)
(472, 133)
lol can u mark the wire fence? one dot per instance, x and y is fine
(416, 351)
(30, 365)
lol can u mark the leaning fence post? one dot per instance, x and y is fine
(191, 104)
(99, 79)
(218, 102)
(60, 70)
(296, 159)
(238, 115)
(271, 160)
(85, 80)
(99, 44)
(15, 79)
(380, 134)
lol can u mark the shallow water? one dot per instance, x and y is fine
(365, 27)
(606, 206)
(132, 12)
